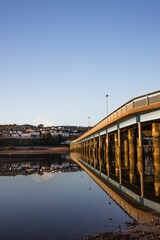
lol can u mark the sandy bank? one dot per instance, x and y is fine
(34, 151)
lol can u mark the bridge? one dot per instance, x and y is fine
(124, 149)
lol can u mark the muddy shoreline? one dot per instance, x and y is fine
(22, 152)
(134, 231)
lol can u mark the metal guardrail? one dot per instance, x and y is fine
(135, 103)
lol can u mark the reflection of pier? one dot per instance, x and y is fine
(125, 148)
(129, 205)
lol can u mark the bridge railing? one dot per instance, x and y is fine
(140, 101)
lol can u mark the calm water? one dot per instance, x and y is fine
(53, 199)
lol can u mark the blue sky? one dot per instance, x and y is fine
(59, 58)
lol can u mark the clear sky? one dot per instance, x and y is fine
(59, 58)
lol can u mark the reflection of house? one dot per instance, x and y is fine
(26, 135)
(25, 168)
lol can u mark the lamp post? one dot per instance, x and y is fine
(107, 104)
(88, 121)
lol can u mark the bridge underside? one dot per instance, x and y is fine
(127, 151)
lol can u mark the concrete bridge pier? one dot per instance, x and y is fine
(99, 153)
(84, 148)
(140, 163)
(87, 151)
(90, 151)
(132, 155)
(119, 156)
(103, 155)
(107, 155)
(156, 156)
(116, 155)
(94, 153)
(126, 154)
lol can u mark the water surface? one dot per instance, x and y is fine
(53, 199)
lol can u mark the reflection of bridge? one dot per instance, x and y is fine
(125, 147)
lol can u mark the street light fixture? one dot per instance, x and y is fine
(88, 121)
(107, 104)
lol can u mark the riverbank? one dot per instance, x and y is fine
(134, 231)
(32, 151)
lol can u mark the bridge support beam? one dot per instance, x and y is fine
(126, 154)
(156, 155)
(116, 155)
(107, 155)
(140, 164)
(119, 156)
(99, 153)
(131, 138)
(90, 151)
(94, 152)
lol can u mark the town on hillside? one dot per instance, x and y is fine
(13, 134)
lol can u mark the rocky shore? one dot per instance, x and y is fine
(134, 231)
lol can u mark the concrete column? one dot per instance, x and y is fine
(84, 146)
(94, 150)
(107, 155)
(126, 154)
(131, 139)
(84, 151)
(116, 154)
(140, 164)
(89, 152)
(119, 156)
(99, 154)
(104, 151)
(156, 156)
